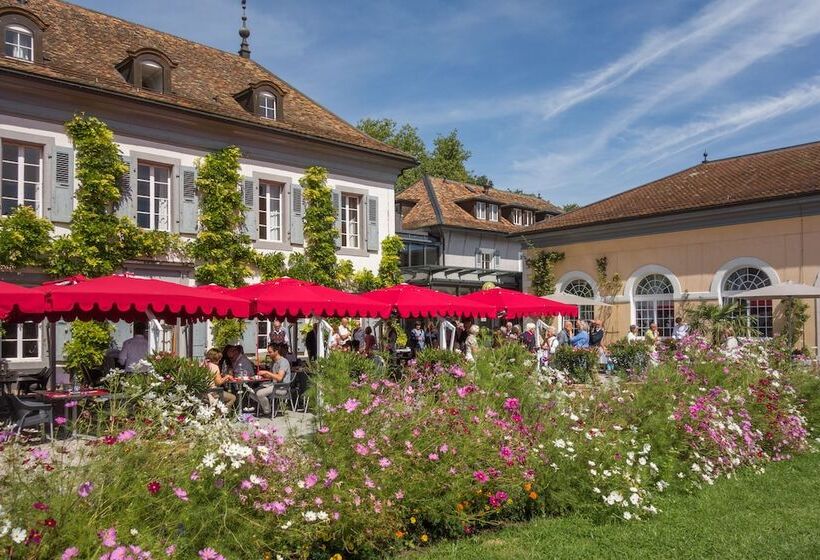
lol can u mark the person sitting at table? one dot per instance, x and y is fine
(218, 381)
(369, 342)
(241, 366)
(581, 338)
(279, 372)
(343, 330)
(135, 348)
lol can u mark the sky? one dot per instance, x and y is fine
(574, 100)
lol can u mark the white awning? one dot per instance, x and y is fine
(575, 300)
(782, 290)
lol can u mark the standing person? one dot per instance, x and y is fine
(596, 334)
(652, 335)
(279, 334)
(732, 342)
(218, 381)
(548, 347)
(565, 336)
(369, 342)
(632, 335)
(358, 337)
(279, 373)
(135, 348)
(681, 329)
(528, 338)
(311, 342)
(343, 330)
(431, 335)
(417, 337)
(581, 338)
(462, 340)
(471, 343)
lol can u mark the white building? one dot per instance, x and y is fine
(170, 101)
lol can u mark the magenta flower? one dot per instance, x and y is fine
(126, 435)
(323, 430)
(181, 493)
(60, 420)
(108, 537)
(505, 452)
(480, 477)
(384, 462)
(170, 550)
(350, 405)
(311, 480)
(70, 404)
(512, 405)
(85, 489)
(497, 500)
(362, 449)
(433, 456)
(69, 553)
(457, 372)
(359, 434)
(154, 487)
(40, 506)
(210, 554)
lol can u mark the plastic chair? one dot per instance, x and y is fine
(29, 414)
(38, 381)
(299, 387)
(281, 395)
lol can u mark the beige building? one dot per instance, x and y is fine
(702, 234)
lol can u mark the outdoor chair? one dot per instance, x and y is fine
(299, 387)
(282, 396)
(38, 381)
(27, 413)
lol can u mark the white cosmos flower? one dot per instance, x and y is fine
(5, 528)
(209, 460)
(627, 515)
(18, 535)
(634, 499)
(559, 443)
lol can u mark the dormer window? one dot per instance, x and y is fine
(492, 212)
(147, 69)
(481, 210)
(263, 99)
(19, 43)
(521, 217)
(22, 34)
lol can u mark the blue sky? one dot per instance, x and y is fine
(575, 100)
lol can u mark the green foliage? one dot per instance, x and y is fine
(629, 358)
(87, 347)
(177, 371)
(430, 357)
(449, 158)
(795, 316)
(389, 267)
(365, 281)
(299, 267)
(569, 207)
(25, 239)
(271, 265)
(226, 331)
(580, 364)
(608, 286)
(542, 267)
(345, 275)
(222, 250)
(320, 227)
(713, 321)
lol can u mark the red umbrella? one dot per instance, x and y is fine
(18, 303)
(128, 298)
(287, 297)
(415, 301)
(515, 305)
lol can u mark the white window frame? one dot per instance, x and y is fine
(481, 210)
(156, 66)
(266, 212)
(582, 288)
(486, 259)
(21, 174)
(350, 221)
(154, 214)
(267, 105)
(20, 341)
(21, 31)
(492, 212)
(750, 307)
(263, 328)
(517, 216)
(658, 308)
(528, 218)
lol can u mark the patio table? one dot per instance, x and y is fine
(242, 385)
(62, 398)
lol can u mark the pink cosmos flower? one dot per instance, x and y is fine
(170, 550)
(433, 456)
(362, 449)
(480, 477)
(498, 499)
(359, 433)
(210, 554)
(60, 420)
(457, 372)
(39, 454)
(505, 452)
(511, 405)
(126, 435)
(444, 448)
(311, 480)
(246, 485)
(323, 430)
(400, 495)
(69, 553)
(154, 487)
(369, 483)
(85, 489)
(40, 506)
(194, 475)
(350, 405)
(108, 537)
(384, 462)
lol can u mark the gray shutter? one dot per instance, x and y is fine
(63, 330)
(128, 188)
(62, 192)
(372, 223)
(337, 208)
(251, 200)
(188, 204)
(478, 258)
(200, 339)
(249, 336)
(497, 259)
(297, 216)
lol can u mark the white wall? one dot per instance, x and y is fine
(460, 247)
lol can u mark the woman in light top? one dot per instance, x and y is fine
(471, 344)
(218, 381)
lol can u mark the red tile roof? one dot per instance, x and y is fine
(83, 47)
(782, 173)
(449, 197)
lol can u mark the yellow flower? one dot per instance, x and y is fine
(412, 520)
(533, 495)
(336, 556)
(425, 538)
(527, 486)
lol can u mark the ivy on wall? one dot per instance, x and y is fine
(25, 239)
(320, 227)
(608, 286)
(542, 265)
(389, 267)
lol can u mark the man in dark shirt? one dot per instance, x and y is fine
(596, 334)
(241, 366)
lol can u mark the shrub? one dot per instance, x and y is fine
(629, 358)
(176, 370)
(86, 349)
(580, 364)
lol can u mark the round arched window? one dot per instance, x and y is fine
(267, 105)
(654, 303)
(581, 288)
(757, 311)
(18, 42)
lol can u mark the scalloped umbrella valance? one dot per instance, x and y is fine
(416, 301)
(18, 303)
(514, 305)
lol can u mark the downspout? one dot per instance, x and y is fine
(431, 194)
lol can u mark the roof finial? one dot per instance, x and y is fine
(705, 156)
(244, 32)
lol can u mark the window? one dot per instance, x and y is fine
(263, 327)
(19, 43)
(147, 69)
(492, 211)
(153, 200)
(22, 176)
(267, 105)
(654, 303)
(481, 210)
(418, 254)
(270, 211)
(151, 76)
(21, 341)
(517, 216)
(529, 218)
(758, 312)
(582, 288)
(485, 259)
(350, 221)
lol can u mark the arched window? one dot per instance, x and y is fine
(654, 303)
(581, 288)
(148, 69)
(757, 311)
(264, 99)
(267, 105)
(151, 76)
(18, 42)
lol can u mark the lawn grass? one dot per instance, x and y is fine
(774, 515)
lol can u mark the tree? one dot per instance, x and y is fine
(713, 321)
(320, 226)
(569, 207)
(449, 158)
(484, 181)
(389, 267)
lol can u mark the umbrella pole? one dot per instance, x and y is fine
(52, 354)
(189, 338)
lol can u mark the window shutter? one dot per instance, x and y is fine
(478, 258)
(62, 191)
(249, 337)
(128, 185)
(497, 259)
(372, 223)
(337, 207)
(297, 216)
(63, 331)
(252, 211)
(188, 204)
(200, 338)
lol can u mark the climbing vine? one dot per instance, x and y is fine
(542, 265)
(25, 239)
(320, 227)
(608, 286)
(271, 265)
(389, 269)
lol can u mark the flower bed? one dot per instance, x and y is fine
(446, 450)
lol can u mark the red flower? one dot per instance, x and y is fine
(34, 536)
(40, 506)
(153, 487)
(109, 440)
(50, 522)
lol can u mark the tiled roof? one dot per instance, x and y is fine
(448, 196)
(776, 174)
(84, 47)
